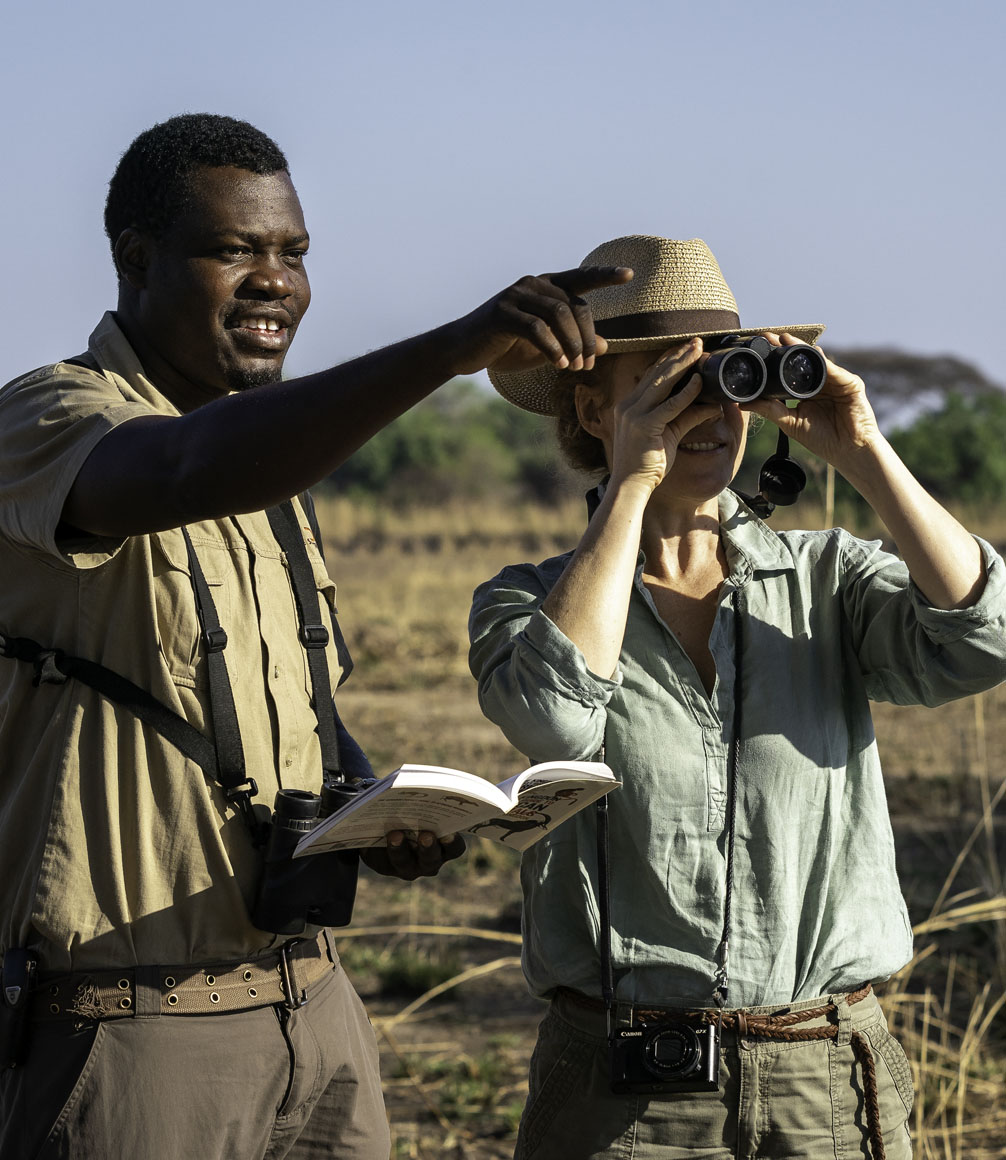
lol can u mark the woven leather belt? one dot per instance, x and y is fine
(780, 1026)
(280, 977)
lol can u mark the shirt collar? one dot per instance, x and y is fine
(751, 545)
(109, 347)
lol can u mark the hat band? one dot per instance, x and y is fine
(666, 323)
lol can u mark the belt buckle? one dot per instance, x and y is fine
(294, 997)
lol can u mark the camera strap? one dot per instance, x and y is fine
(721, 974)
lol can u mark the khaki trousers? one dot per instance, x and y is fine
(251, 1085)
(801, 1101)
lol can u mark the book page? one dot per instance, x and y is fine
(541, 807)
(411, 799)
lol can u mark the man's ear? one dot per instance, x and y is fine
(590, 402)
(132, 257)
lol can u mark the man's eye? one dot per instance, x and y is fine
(295, 257)
(233, 251)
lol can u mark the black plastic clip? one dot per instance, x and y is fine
(314, 635)
(241, 796)
(215, 639)
(294, 996)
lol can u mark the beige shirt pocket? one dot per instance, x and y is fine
(176, 614)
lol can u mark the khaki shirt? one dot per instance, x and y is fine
(115, 849)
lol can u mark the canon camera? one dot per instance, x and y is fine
(742, 369)
(657, 1058)
(317, 888)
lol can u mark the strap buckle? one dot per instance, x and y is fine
(241, 795)
(215, 639)
(294, 996)
(314, 635)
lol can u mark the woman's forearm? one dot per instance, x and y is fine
(590, 602)
(942, 557)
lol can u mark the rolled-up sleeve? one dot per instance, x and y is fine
(912, 653)
(533, 681)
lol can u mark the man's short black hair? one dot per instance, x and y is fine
(150, 186)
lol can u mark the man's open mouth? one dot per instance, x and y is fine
(262, 331)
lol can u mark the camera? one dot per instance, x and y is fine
(318, 888)
(662, 1058)
(741, 369)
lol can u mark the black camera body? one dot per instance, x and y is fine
(663, 1058)
(317, 888)
(741, 369)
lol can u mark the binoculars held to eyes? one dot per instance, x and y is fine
(741, 369)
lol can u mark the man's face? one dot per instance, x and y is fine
(225, 288)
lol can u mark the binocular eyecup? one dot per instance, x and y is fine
(742, 369)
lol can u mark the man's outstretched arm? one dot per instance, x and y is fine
(258, 447)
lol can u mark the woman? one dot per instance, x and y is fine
(724, 670)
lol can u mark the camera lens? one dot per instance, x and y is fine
(742, 375)
(672, 1051)
(802, 370)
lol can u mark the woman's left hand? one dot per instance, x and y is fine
(837, 424)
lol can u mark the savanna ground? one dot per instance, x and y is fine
(437, 961)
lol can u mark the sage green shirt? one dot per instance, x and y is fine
(830, 622)
(114, 849)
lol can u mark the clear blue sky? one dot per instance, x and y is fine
(845, 162)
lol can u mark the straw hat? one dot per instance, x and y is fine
(678, 292)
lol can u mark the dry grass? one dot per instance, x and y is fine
(455, 1056)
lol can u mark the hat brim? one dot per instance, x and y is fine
(532, 390)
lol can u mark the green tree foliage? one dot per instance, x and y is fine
(959, 452)
(462, 440)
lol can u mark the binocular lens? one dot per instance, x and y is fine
(803, 372)
(742, 375)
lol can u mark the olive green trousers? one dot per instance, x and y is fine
(248, 1085)
(798, 1100)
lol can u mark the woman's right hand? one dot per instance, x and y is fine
(651, 418)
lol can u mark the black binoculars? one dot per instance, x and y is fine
(318, 888)
(741, 369)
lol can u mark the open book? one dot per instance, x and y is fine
(517, 812)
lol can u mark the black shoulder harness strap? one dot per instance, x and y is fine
(223, 758)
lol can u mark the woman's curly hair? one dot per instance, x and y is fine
(580, 449)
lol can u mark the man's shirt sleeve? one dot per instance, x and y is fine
(50, 422)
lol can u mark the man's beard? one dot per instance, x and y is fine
(238, 380)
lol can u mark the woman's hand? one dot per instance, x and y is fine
(650, 419)
(838, 424)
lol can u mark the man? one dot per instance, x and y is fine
(710, 987)
(165, 674)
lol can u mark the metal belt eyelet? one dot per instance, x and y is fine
(210, 980)
(172, 1000)
(247, 976)
(123, 984)
(252, 992)
(169, 981)
(54, 1008)
(214, 997)
(125, 1002)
